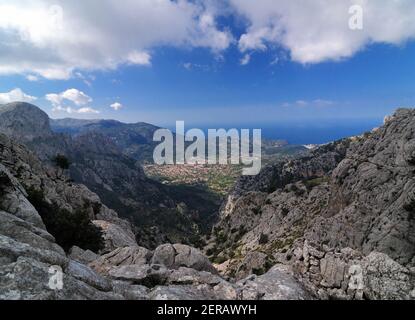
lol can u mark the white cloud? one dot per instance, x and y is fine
(15, 95)
(87, 110)
(139, 58)
(245, 59)
(55, 38)
(318, 30)
(74, 96)
(309, 103)
(116, 106)
(32, 78)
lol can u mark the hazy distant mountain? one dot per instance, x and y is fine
(134, 140)
(69, 125)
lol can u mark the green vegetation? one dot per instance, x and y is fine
(68, 228)
(257, 210)
(61, 161)
(312, 183)
(263, 239)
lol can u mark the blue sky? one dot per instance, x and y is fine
(202, 78)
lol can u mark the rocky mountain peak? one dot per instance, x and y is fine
(24, 121)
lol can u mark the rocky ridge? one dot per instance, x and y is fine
(350, 202)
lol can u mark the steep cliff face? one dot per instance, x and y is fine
(28, 252)
(357, 193)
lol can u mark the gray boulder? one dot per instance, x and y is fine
(115, 236)
(179, 255)
(186, 276)
(175, 292)
(278, 283)
(121, 257)
(148, 275)
(130, 291)
(87, 275)
(82, 256)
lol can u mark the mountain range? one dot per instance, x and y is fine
(101, 154)
(337, 222)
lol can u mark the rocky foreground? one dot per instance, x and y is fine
(30, 256)
(338, 224)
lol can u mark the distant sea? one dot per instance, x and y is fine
(313, 134)
(305, 133)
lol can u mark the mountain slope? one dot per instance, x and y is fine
(357, 193)
(33, 266)
(98, 162)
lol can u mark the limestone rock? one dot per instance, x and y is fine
(115, 236)
(175, 292)
(87, 275)
(386, 279)
(82, 256)
(164, 254)
(278, 283)
(121, 257)
(130, 291)
(148, 275)
(179, 255)
(356, 193)
(186, 276)
(29, 279)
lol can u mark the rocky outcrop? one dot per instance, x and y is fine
(82, 256)
(121, 257)
(348, 274)
(277, 284)
(356, 193)
(179, 255)
(29, 125)
(115, 236)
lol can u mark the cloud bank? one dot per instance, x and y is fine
(54, 38)
(318, 30)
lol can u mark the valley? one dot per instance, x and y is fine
(315, 220)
